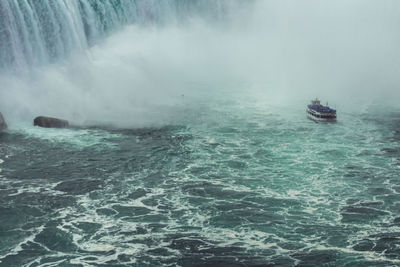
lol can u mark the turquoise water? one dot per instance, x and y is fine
(238, 182)
(190, 144)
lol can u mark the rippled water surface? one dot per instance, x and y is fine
(230, 183)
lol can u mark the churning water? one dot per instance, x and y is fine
(234, 183)
(190, 144)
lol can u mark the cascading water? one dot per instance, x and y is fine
(36, 32)
(68, 33)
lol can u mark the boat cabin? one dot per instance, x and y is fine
(315, 102)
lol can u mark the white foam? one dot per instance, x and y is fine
(79, 138)
(18, 248)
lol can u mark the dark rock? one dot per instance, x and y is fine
(3, 124)
(49, 122)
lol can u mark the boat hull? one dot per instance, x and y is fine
(320, 116)
(314, 119)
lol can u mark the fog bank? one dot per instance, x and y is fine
(284, 51)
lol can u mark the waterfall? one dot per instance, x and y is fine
(114, 60)
(38, 32)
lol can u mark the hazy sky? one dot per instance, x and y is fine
(347, 47)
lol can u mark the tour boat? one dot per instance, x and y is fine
(317, 112)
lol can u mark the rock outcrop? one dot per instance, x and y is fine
(3, 124)
(49, 122)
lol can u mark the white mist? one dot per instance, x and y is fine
(284, 51)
